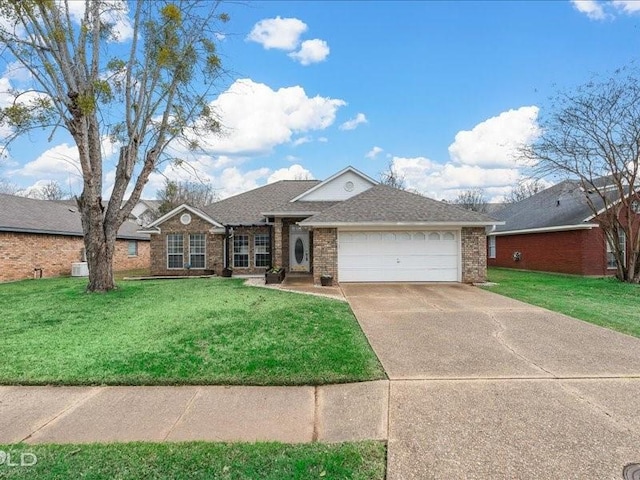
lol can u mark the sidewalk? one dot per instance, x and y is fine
(332, 413)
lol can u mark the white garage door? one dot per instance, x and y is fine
(402, 256)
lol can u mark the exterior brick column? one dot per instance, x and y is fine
(474, 255)
(277, 243)
(325, 253)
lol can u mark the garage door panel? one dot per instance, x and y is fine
(398, 256)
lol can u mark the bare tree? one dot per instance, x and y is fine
(592, 134)
(50, 191)
(8, 188)
(523, 189)
(392, 177)
(473, 199)
(141, 95)
(195, 194)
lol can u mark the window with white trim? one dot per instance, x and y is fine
(261, 250)
(492, 247)
(175, 250)
(132, 248)
(611, 258)
(241, 251)
(197, 250)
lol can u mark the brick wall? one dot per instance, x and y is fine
(214, 248)
(20, 253)
(474, 255)
(580, 252)
(325, 253)
(213, 245)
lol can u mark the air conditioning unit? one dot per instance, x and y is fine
(79, 269)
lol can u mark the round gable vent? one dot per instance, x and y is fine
(348, 186)
(185, 219)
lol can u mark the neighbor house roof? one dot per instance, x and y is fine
(562, 206)
(20, 214)
(248, 208)
(382, 204)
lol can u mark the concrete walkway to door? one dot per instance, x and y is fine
(487, 387)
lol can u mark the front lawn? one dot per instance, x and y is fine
(603, 301)
(197, 460)
(163, 332)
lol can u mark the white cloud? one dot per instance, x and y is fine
(606, 10)
(16, 71)
(115, 12)
(446, 181)
(483, 157)
(352, 124)
(294, 172)
(627, 6)
(373, 153)
(311, 51)
(257, 118)
(279, 33)
(323, 139)
(591, 8)
(301, 140)
(494, 142)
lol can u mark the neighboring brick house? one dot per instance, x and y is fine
(553, 231)
(348, 227)
(45, 237)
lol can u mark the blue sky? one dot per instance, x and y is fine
(444, 90)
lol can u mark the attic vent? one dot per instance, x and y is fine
(185, 219)
(72, 210)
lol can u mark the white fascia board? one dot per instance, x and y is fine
(149, 231)
(396, 224)
(288, 214)
(184, 206)
(561, 228)
(335, 175)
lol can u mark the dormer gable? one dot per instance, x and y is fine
(340, 186)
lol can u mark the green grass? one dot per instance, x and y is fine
(603, 301)
(198, 460)
(164, 332)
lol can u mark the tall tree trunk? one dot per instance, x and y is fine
(99, 244)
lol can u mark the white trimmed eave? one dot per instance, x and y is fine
(355, 225)
(177, 210)
(288, 214)
(335, 175)
(560, 228)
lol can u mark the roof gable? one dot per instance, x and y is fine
(384, 205)
(343, 185)
(180, 209)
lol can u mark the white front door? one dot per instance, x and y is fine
(298, 249)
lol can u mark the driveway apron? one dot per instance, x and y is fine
(483, 386)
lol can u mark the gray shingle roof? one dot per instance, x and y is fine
(384, 204)
(560, 205)
(19, 214)
(247, 208)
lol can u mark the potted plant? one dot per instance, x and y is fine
(326, 280)
(274, 275)
(227, 272)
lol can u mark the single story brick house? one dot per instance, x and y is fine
(347, 226)
(553, 231)
(43, 237)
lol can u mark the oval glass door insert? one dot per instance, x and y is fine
(299, 250)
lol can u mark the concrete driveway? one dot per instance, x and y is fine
(487, 387)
